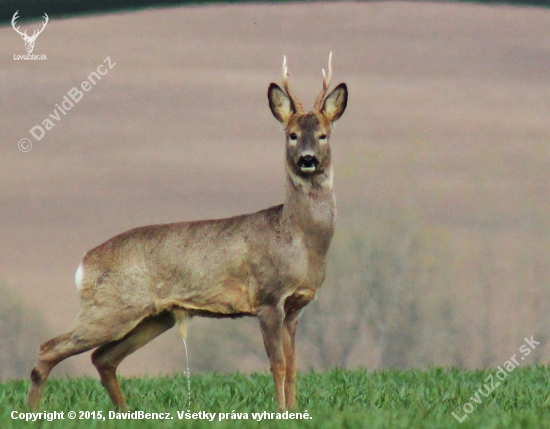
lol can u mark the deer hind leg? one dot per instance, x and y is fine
(107, 357)
(51, 353)
(289, 335)
(89, 331)
(271, 324)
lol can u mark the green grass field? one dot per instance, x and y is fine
(334, 399)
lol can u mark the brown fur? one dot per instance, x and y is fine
(267, 264)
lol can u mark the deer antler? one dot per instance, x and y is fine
(43, 26)
(326, 83)
(297, 104)
(15, 16)
(34, 34)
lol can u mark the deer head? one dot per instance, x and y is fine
(29, 40)
(307, 134)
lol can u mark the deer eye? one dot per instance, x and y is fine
(323, 137)
(293, 136)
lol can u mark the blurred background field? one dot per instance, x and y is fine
(442, 172)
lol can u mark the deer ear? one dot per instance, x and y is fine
(335, 103)
(280, 103)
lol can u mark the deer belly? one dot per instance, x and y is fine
(229, 297)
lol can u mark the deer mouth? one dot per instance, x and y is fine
(308, 163)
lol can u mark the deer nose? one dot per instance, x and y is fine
(308, 163)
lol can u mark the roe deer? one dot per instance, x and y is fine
(267, 264)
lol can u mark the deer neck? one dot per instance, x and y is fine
(309, 209)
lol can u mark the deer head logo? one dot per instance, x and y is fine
(29, 40)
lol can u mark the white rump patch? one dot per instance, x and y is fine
(79, 277)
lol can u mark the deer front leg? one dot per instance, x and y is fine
(271, 324)
(289, 335)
